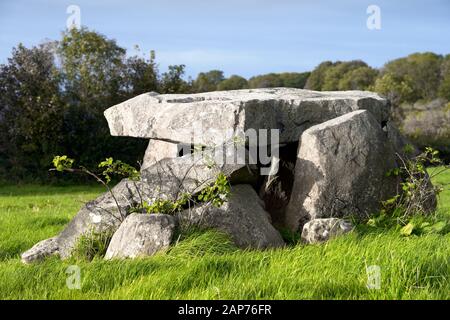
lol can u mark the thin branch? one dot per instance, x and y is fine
(84, 170)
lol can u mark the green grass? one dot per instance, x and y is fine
(206, 266)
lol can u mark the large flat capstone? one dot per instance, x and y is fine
(214, 117)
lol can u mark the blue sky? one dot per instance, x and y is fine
(245, 37)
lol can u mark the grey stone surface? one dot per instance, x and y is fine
(320, 230)
(217, 116)
(166, 179)
(102, 214)
(242, 217)
(158, 150)
(40, 251)
(341, 170)
(347, 145)
(142, 235)
(191, 173)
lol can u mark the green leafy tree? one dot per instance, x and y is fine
(425, 72)
(397, 89)
(286, 79)
(172, 80)
(234, 82)
(444, 87)
(336, 73)
(317, 77)
(96, 76)
(270, 80)
(420, 72)
(208, 81)
(93, 67)
(348, 75)
(358, 79)
(30, 111)
(141, 75)
(294, 79)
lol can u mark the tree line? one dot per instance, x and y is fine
(52, 96)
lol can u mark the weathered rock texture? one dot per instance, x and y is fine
(242, 217)
(320, 230)
(40, 251)
(101, 214)
(142, 235)
(341, 170)
(167, 179)
(158, 150)
(219, 115)
(191, 173)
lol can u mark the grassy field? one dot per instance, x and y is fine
(207, 266)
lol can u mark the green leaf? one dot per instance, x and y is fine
(408, 148)
(106, 163)
(407, 230)
(372, 222)
(62, 163)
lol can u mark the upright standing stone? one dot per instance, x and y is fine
(341, 170)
